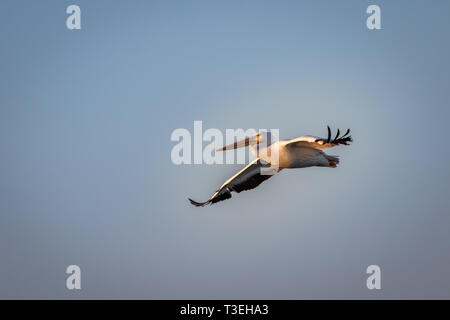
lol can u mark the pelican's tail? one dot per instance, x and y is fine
(333, 161)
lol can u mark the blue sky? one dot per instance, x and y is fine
(85, 171)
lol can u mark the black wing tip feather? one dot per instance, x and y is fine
(346, 133)
(344, 139)
(198, 204)
(329, 134)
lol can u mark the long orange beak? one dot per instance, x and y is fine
(242, 143)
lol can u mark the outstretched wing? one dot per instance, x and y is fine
(248, 178)
(323, 143)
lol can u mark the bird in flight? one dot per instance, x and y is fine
(301, 152)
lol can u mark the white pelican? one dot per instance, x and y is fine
(301, 152)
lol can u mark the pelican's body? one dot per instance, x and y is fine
(301, 152)
(294, 154)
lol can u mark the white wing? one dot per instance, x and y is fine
(322, 143)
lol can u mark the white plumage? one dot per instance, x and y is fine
(301, 152)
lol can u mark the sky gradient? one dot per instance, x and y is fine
(85, 171)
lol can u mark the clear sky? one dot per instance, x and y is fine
(85, 171)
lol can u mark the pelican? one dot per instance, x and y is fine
(301, 152)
